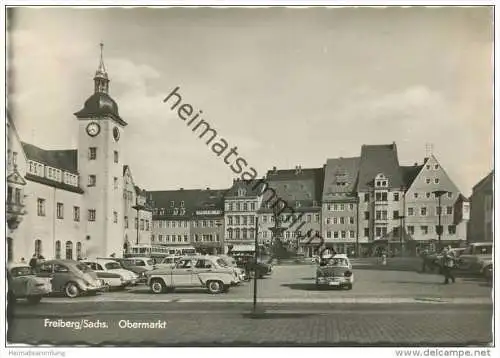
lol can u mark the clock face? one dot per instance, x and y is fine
(93, 129)
(116, 133)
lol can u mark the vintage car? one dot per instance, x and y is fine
(209, 272)
(138, 266)
(23, 283)
(335, 271)
(167, 262)
(247, 262)
(70, 277)
(231, 262)
(476, 257)
(112, 273)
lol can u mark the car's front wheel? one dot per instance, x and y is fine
(158, 286)
(71, 290)
(348, 286)
(215, 286)
(34, 299)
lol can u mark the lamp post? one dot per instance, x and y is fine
(256, 242)
(439, 228)
(218, 224)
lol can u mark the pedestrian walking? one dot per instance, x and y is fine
(448, 264)
(33, 261)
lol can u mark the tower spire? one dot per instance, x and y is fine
(101, 81)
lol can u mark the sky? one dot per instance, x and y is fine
(286, 86)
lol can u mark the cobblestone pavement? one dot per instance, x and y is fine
(230, 324)
(296, 283)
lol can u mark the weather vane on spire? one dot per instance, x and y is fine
(102, 68)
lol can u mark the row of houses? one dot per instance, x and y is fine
(84, 201)
(354, 204)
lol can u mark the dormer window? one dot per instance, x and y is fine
(172, 203)
(242, 192)
(297, 204)
(176, 211)
(182, 203)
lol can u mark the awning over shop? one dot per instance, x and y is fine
(240, 248)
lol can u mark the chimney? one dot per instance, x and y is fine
(208, 188)
(415, 164)
(274, 169)
(182, 188)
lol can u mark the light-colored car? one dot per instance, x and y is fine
(231, 262)
(335, 271)
(112, 273)
(167, 262)
(476, 257)
(23, 283)
(209, 272)
(144, 262)
(70, 277)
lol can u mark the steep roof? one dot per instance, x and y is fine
(409, 173)
(193, 200)
(303, 186)
(377, 159)
(252, 188)
(62, 159)
(340, 176)
(488, 180)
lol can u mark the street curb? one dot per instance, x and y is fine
(345, 300)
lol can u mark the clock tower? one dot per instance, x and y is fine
(100, 165)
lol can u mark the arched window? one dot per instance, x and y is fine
(230, 233)
(250, 233)
(38, 248)
(58, 249)
(244, 233)
(69, 250)
(10, 249)
(79, 250)
(237, 233)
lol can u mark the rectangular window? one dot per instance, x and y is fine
(142, 225)
(41, 207)
(410, 212)
(378, 231)
(351, 220)
(327, 221)
(411, 230)
(252, 206)
(384, 214)
(423, 211)
(438, 210)
(76, 213)
(316, 218)
(9, 194)
(367, 197)
(452, 229)
(329, 234)
(92, 180)
(335, 207)
(424, 229)
(378, 215)
(60, 211)
(125, 219)
(115, 156)
(378, 196)
(384, 196)
(115, 217)
(396, 196)
(92, 153)
(115, 182)
(335, 220)
(367, 215)
(351, 207)
(91, 215)
(449, 210)
(351, 234)
(343, 234)
(342, 220)
(309, 218)
(366, 232)
(335, 234)
(395, 214)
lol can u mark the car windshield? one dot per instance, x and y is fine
(82, 267)
(168, 260)
(112, 266)
(21, 271)
(150, 262)
(221, 263)
(338, 262)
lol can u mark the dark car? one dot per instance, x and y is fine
(260, 268)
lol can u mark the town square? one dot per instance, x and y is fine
(305, 182)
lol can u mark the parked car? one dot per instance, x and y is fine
(70, 277)
(138, 267)
(335, 271)
(23, 283)
(231, 262)
(260, 268)
(477, 256)
(435, 260)
(112, 273)
(168, 261)
(210, 272)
